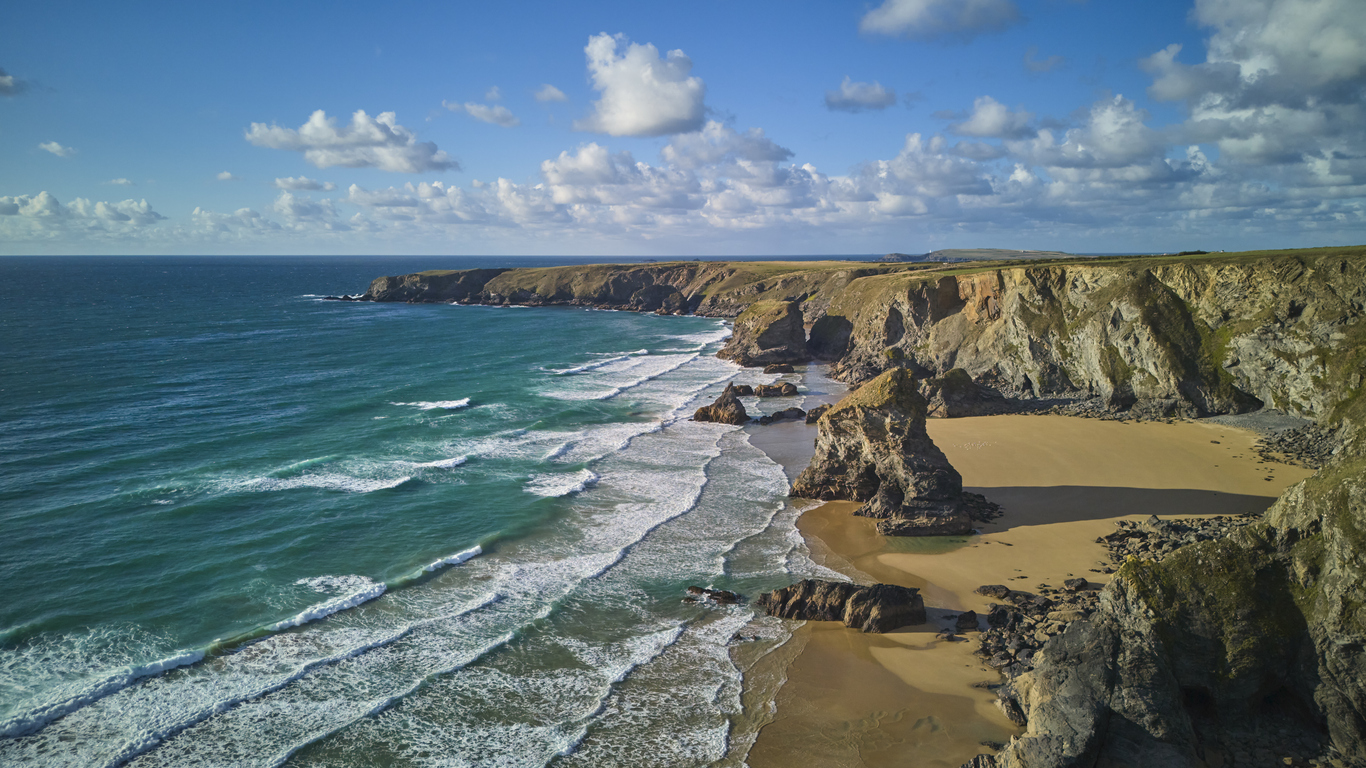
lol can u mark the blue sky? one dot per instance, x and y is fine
(743, 128)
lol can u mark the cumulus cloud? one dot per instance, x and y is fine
(548, 92)
(857, 97)
(57, 149)
(368, 142)
(717, 143)
(9, 84)
(304, 184)
(1114, 135)
(931, 19)
(1282, 80)
(1033, 63)
(120, 182)
(44, 217)
(226, 176)
(642, 93)
(991, 119)
(496, 114)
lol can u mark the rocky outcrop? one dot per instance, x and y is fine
(786, 414)
(727, 409)
(786, 389)
(872, 447)
(766, 333)
(1251, 646)
(1159, 336)
(814, 415)
(955, 395)
(879, 608)
(432, 287)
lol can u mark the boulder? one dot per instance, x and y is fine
(786, 389)
(966, 622)
(872, 447)
(726, 410)
(954, 395)
(1075, 585)
(743, 390)
(814, 415)
(767, 332)
(778, 368)
(785, 414)
(877, 608)
(719, 596)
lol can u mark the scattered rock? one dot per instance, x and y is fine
(795, 414)
(998, 591)
(718, 596)
(814, 415)
(1075, 585)
(726, 410)
(778, 368)
(966, 622)
(786, 389)
(878, 608)
(744, 390)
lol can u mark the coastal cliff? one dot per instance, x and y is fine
(1155, 336)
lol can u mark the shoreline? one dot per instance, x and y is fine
(850, 699)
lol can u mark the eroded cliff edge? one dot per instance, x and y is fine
(1158, 336)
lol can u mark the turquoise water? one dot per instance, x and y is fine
(246, 526)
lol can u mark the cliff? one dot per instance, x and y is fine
(1158, 336)
(1251, 648)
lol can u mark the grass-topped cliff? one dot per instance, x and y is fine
(1172, 334)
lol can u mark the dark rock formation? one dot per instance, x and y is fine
(786, 389)
(955, 395)
(796, 414)
(726, 410)
(743, 390)
(879, 608)
(1251, 644)
(767, 332)
(872, 447)
(814, 415)
(427, 287)
(778, 368)
(719, 596)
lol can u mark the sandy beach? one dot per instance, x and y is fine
(907, 698)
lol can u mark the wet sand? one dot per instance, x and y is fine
(906, 698)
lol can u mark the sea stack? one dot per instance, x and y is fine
(767, 332)
(726, 410)
(872, 447)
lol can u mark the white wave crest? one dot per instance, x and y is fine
(597, 363)
(334, 481)
(455, 559)
(450, 463)
(551, 486)
(355, 590)
(449, 405)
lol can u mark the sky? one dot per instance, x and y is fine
(713, 127)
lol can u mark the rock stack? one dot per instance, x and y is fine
(879, 608)
(872, 447)
(767, 332)
(726, 410)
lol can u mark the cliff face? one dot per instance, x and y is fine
(1221, 643)
(1187, 338)
(1161, 336)
(767, 332)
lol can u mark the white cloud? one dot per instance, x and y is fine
(1283, 81)
(857, 97)
(642, 94)
(9, 84)
(548, 92)
(304, 184)
(43, 217)
(368, 142)
(930, 19)
(496, 114)
(57, 149)
(1114, 135)
(120, 182)
(295, 208)
(991, 119)
(717, 143)
(493, 94)
(1033, 63)
(226, 176)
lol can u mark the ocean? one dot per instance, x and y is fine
(245, 526)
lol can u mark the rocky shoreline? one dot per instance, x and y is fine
(1221, 641)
